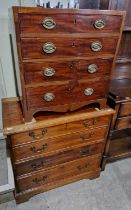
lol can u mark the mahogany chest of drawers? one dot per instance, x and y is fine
(55, 149)
(65, 56)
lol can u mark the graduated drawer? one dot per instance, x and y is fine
(59, 158)
(53, 95)
(55, 131)
(35, 72)
(53, 145)
(123, 122)
(68, 23)
(40, 48)
(58, 173)
(125, 109)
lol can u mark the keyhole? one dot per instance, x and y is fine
(75, 22)
(73, 44)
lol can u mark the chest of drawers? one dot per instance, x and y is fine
(56, 149)
(65, 56)
(120, 133)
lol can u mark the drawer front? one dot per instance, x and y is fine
(124, 122)
(125, 109)
(39, 97)
(48, 71)
(60, 172)
(54, 145)
(94, 68)
(59, 158)
(58, 71)
(53, 23)
(55, 131)
(36, 48)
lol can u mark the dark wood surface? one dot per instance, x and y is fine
(78, 32)
(120, 145)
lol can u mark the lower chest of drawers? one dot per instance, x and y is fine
(55, 149)
(52, 156)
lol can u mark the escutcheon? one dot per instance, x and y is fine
(96, 46)
(99, 24)
(49, 47)
(92, 68)
(88, 91)
(48, 23)
(49, 97)
(48, 72)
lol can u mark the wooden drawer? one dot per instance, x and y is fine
(55, 131)
(124, 122)
(32, 48)
(59, 158)
(33, 23)
(125, 109)
(35, 72)
(48, 71)
(54, 145)
(60, 172)
(72, 92)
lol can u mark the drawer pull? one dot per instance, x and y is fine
(92, 68)
(49, 48)
(44, 147)
(88, 91)
(49, 97)
(34, 136)
(96, 46)
(84, 138)
(39, 181)
(82, 167)
(85, 152)
(48, 72)
(99, 24)
(36, 166)
(48, 23)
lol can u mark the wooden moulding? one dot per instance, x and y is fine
(13, 121)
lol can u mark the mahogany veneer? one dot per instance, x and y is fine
(65, 65)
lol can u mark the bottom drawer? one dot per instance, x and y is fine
(61, 172)
(59, 158)
(122, 123)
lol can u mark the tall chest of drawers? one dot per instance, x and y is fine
(65, 56)
(56, 149)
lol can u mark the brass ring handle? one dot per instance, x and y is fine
(96, 46)
(49, 72)
(99, 24)
(37, 181)
(49, 47)
(48, 97)
(92, 68)
(88, 91)
(48, 23)
(34, 149)
(34, 136)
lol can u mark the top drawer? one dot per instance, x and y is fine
(68, 23)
